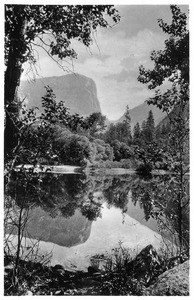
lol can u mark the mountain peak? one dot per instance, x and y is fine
(78, 91)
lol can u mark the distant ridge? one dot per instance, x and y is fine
(78, 91)
(140, 113)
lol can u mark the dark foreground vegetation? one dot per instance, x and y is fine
(56, 137)
(120, 275)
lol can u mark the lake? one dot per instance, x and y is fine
(73, 217)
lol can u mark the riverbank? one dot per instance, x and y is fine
(121, 275)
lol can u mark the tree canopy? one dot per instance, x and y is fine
(173, 61)
(52, 28)
(62, 22)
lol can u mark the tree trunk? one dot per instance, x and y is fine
(17, 49)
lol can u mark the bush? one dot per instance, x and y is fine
(104, 151)
(121, 150)
(117, 280)
(74, 149)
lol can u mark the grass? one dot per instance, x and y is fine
(117, 279)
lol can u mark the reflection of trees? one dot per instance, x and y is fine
(141, 192)
(48, 191)
(55, 193)
(159, 198)
(117, 193)
(90, 208)
(62, 194)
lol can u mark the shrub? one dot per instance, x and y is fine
(117, 280)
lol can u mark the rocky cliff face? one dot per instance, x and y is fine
(79, 92)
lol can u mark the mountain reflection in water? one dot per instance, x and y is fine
(88, 213)
(59, 230)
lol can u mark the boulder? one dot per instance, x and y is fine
(146, 265)
(174, 282)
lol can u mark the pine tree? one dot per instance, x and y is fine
(150, 127)
(143, 130)
(127, 122)
(136, 133)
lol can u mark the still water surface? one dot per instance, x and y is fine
(77, 216)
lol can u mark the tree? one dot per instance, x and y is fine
(136, 131)
(172, 64)
(127, 122)
(121, 150)
(173, 61)
(111, 134)
(50, 27)
(143, 130)
(150, 127)
(95, 123)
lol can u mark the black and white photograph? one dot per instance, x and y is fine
(96, 156)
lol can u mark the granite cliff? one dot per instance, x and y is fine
(79, 92)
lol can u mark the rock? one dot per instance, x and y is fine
(174, 282)
(78, 91)
(146, 265)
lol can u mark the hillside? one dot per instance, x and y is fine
(79, 92)
(140, 113)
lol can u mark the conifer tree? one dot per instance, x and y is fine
(136, 133)
(127, 121)
(150, 127)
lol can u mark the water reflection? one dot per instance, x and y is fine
(163, 199)
(63, 207)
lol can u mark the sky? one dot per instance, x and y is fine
(113, 59)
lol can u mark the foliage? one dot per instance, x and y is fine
(117, 193)
(127, 122)
(150, 128)
(174, 59)
(103, 151)
(151, 155)
(120, 131)
(117, 278)
(158, 196)
(172, 64)
(95, 123)
(75, 150)
(55, 136)
(51, 28)
(121, 150)
(28, 138)
(137, 134)
(100, 166)
(62, 22)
